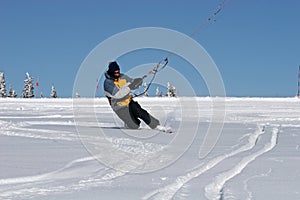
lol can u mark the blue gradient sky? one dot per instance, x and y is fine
(255, 44)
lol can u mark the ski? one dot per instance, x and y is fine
(159, 128)
(165, 129)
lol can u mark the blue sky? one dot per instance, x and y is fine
(255, 44)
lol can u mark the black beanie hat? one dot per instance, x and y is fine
(112, 67)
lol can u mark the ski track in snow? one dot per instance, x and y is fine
(82, 173)
(213, 190)
(45, 176)
(76, 175)
(79, 174)
(25, 129)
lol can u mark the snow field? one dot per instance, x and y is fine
(256, 157)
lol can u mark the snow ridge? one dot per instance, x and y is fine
(250, 196)
(45, 176)
(213, 190)
(87, 171)
(169, 191)
(52, 182)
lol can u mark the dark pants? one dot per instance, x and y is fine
(132, 114)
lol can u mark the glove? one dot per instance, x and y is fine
(135, 83)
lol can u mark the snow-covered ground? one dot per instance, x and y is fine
(45, 154)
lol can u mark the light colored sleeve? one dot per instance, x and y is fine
(121, 93)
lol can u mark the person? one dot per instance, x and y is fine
(117, 88)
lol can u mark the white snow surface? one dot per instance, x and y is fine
(257, 156)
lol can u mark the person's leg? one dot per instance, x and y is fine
(153, 122)
(138, 112)
(126, 117)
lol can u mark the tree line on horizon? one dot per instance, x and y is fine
(27, 92)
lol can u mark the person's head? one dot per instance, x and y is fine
(113, 69)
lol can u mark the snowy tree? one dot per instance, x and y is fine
(171, 90)
(28, 88)
(12, 93)
(2, 85)
(53, 92)
(145, 90)
(158, 93)
(77, 95)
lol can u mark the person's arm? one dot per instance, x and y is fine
(114, 92)
(134, 83)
